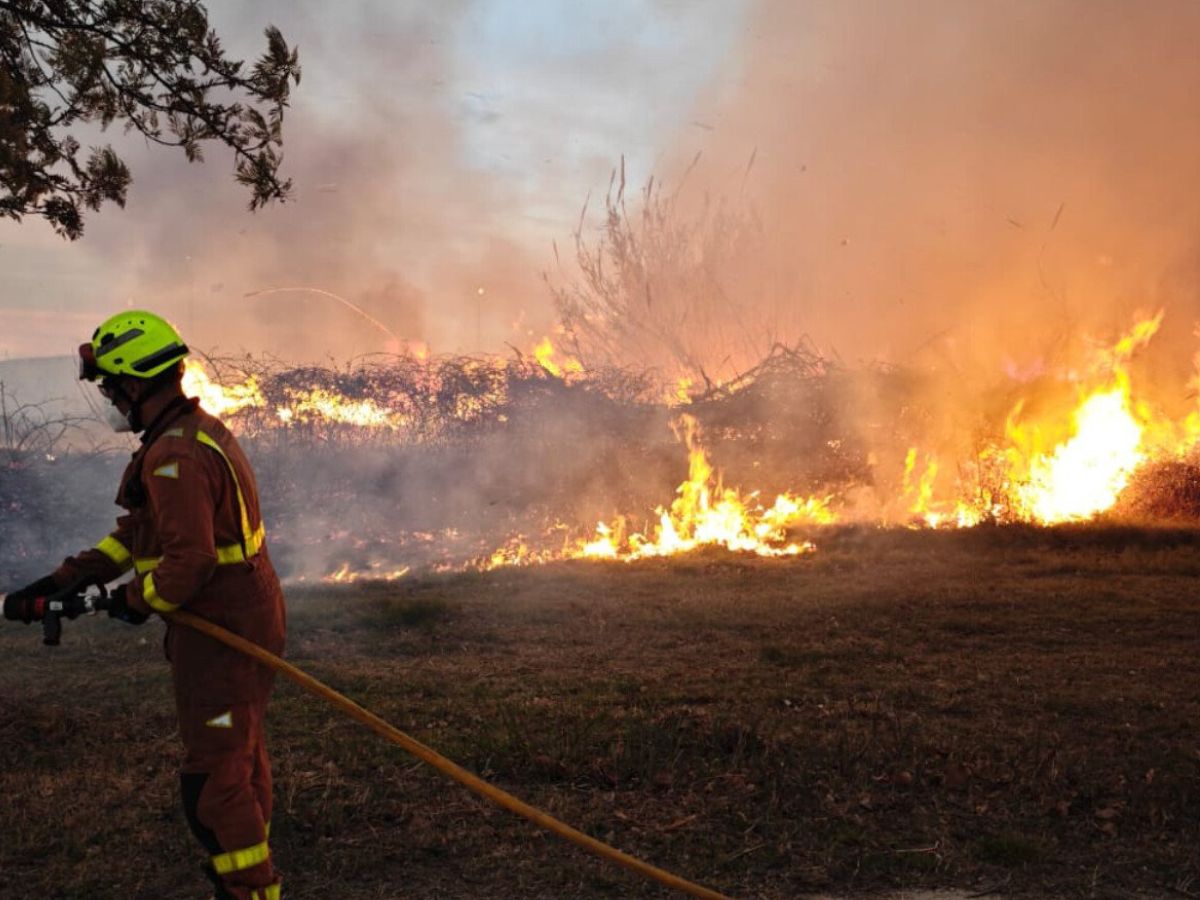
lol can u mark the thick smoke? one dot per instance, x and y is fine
(982, 194)
(955, 184)
(971, 191)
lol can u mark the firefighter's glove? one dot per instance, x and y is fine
(118, 606)
(20, 606)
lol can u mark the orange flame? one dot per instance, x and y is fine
(547, 356)
(346, 575)
(1067, 464)
(218, 399)
(681, 394)
(314, 405)
(320, 405)
(1045, 482)
(704, 513)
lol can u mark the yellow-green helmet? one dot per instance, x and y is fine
(134, 343)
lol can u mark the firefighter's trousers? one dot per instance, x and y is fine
(221, 698)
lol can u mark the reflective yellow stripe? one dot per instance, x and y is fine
(150, 595)
(252, 538)
(270, 892)
(234, 553)
(227, 555)
(116, 551)
(236, 860)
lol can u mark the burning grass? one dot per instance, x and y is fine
(831, 444)
(481, 463)
(1006, 708)
(421, 462)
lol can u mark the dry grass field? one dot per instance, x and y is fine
(1008, 712)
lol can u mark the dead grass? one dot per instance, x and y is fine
(1004, 706)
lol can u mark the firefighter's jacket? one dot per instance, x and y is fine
(193, 534)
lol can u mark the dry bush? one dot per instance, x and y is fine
(792, 416)
(662, 287)
(1163, 492)
(30, 430)
(438, 400)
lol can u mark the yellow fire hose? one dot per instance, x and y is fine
(442, 764)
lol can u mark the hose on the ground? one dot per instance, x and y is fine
(447, 767)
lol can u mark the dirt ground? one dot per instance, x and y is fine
(1004, 712)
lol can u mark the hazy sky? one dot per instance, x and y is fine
(436, 149)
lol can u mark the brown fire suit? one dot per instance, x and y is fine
(194, 536)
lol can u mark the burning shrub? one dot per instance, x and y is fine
(452, 457)
(1162, 492)
(400, 399)
(394, 462)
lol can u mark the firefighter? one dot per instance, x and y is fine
(193, 535)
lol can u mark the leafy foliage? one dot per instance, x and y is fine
(158, 68)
